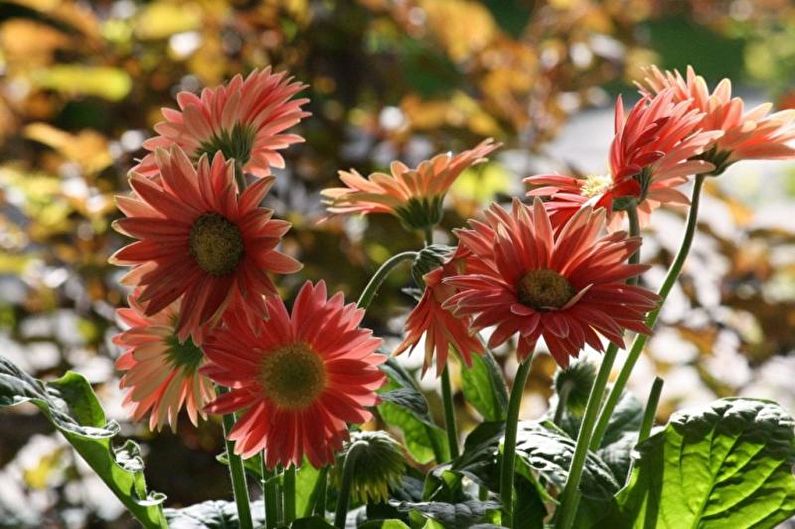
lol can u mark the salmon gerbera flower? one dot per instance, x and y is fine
(161, 372)
(200, 240)
(655, 149)
(244, 119)
(415, 196)
(300, 377)
(566, 285)
(752, 134)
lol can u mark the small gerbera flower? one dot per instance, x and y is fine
(655, 150)
(565, 285)
(199, 240)
(441, 328)
(244, 120)
(161, 372)
(752, 134)
(415, 196)
(300, 378)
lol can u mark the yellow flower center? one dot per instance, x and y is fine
(595, 185)
(544, 289)
(216, 244)
(293, 376)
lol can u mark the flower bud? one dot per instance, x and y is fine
(377, 465)
(575, 382)
(428, 259)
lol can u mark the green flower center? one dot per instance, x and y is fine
(293, 376)
(216, 244)
(186, 355)
(236, 144)
(544, 289)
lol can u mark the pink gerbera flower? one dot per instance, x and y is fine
(752, 134)
(199, 240)
(415, 196)
(565, 285)
(300, 378)
(655, 150)
(244, 120)
(441, 328)
(161, 372)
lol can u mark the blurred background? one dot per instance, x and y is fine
(82, 83)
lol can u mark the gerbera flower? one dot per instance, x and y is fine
(752, 134)
(199, 239)
(244, 120)
(653, 152)
(300, 379)
(161, 372)
(415, 196)
(440, 327)
(565, 285)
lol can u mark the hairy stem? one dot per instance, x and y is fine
(380, 275)
(449, 413)
(236, 472)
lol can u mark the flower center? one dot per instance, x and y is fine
(235, 144)
(595, 185)
(293, 376)
(544, 289)
(183, 355)
(216, 244)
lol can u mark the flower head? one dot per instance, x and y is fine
(751, 134)
(161, 372)
(415, 196)
(378, 465)
(441, 328)
(199, 240)
(300, 377)
(655, 150)
(244, 119)
(565, 285)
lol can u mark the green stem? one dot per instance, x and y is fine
(320, 494)
(509, 445)
(236, 472)
(289, 494)
(651, 409)
(570, 497)
(563, 398)
(240, 177)
(428, 232)
(634, 231)
(374, 284)
(345, 488)
(651, 318)
(269, 496)
(449, 413)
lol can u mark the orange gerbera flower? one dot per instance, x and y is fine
(300, 378)
(752, 134)
(413, 195)
(244, 120)
(161, 372)
(440, 327)
(654, 150)
(199, 239)
(564, 285)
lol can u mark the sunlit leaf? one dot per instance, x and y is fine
(74, 79)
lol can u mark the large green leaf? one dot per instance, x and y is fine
(727, 465)
(451, 515)
(72, 407)
(484, 387)
(211, 515)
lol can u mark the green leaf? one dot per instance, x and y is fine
(723, 466)
(108, 83)
(313, 522)
(626, 417)
(306, 481)
(408, 398)
(451, 516)
(213, 514)
(384, 524)
(484, 388)
(72, 407)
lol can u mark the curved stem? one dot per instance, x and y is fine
(345, 488)
(563, 398)
(651, 409)
(374, 284)
(240, 177)
(289, 494)
(634, 231)
(509, 445)
(449, 413)
(651, 318)
(570, 497)
(236, 472)
(320, 494)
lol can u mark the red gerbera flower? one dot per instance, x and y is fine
(244, 120)
(565, 285)
(653, 152)
(161, 372)
(752, 134)
(300, 378)
(199, 239)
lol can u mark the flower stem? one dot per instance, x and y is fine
(270, 496)
(345, 488)
(240, 177)
(428, 232)
(320, 493)
(289, 494)
(570, 497)
(634, 231)
(449, 413)
(651, 318)
(509, 445)
(651, 409)
(563, 398)
(374, 284)
(236, 472)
